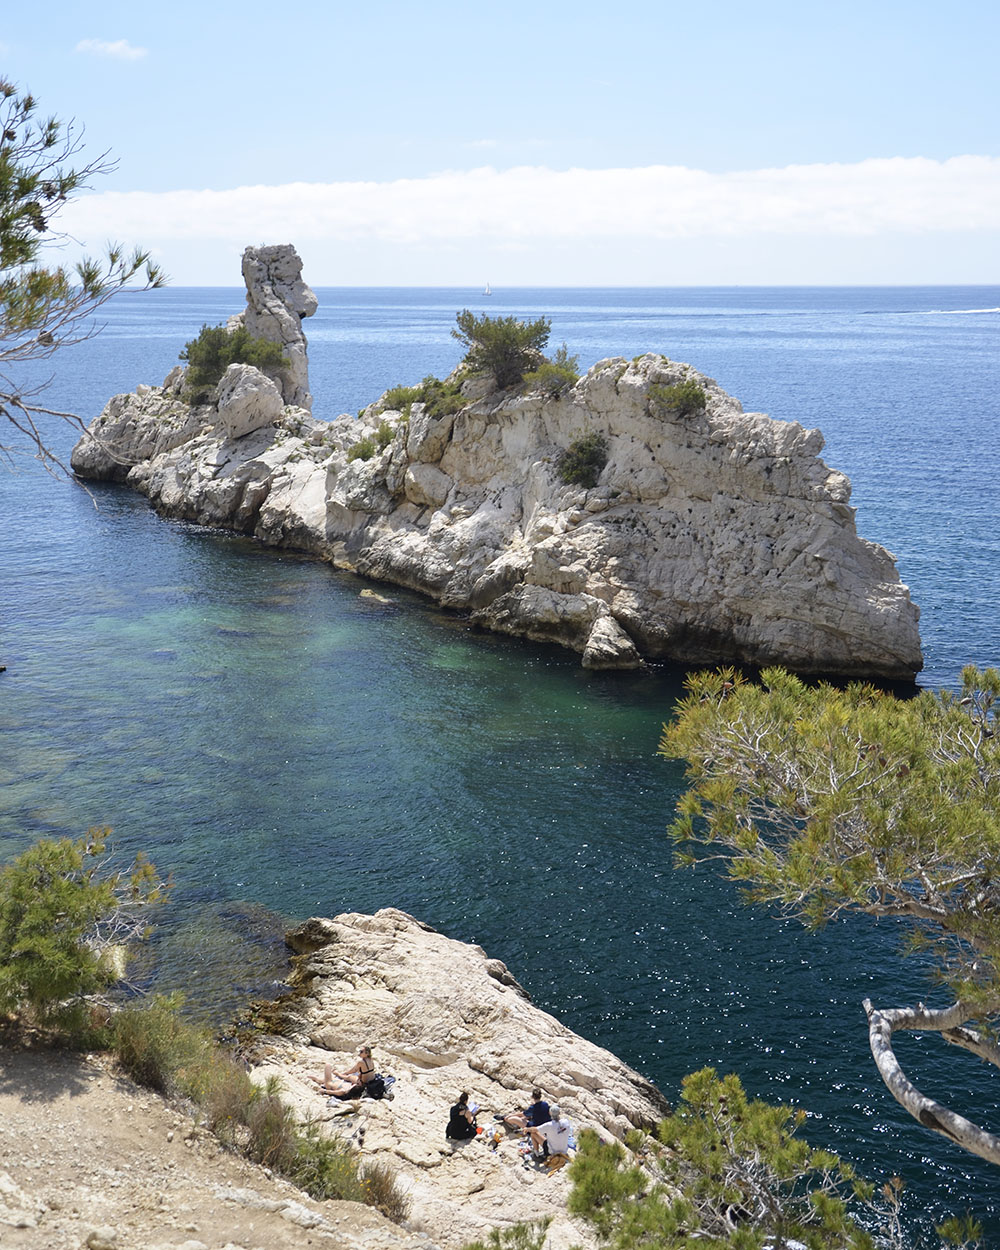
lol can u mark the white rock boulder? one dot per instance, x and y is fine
(247, 401)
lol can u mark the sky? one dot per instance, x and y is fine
(541, 143)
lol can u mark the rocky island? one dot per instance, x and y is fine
(709, 535)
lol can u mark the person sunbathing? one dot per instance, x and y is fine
(349, 1084)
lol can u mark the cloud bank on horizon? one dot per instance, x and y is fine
(533, 207)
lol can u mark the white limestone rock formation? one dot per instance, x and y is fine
(277, 302)
(443, 1017)
(710, 536)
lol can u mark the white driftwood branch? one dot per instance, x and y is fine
(931, 1114)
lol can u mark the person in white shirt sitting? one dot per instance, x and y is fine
(555, 1134)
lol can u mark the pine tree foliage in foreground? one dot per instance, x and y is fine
(46, 307)
(823, 801)
(64, 912)
(725, 1171)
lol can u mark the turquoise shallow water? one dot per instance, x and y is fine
(286, 748)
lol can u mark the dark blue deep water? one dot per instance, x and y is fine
(286, 748)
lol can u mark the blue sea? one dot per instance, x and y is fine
(285, 748)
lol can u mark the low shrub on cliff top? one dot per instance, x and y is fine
(215, 349)
(684, 398)
(442, 398)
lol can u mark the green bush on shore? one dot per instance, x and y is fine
(158, 1048)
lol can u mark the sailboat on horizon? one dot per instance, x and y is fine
(488, 290)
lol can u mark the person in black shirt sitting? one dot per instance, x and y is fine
(462, 1119)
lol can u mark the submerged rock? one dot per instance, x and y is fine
(709, 536)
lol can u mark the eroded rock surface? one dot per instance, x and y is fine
(711, 536)
(443, 1017)
(277, 302)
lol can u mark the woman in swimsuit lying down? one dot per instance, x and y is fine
(349, 1084)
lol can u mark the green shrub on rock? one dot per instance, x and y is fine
(441, 398)
(583, 460)
(401, 399)
(684, 398)
(216, 348)
(503, 346)
(363, 449)
(554, 376)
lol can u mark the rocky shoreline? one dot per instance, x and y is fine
(710, 535)
(442, 1017)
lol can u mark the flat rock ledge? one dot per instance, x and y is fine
(442, 1017)
(713, 536)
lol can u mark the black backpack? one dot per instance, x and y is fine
(377, 1086)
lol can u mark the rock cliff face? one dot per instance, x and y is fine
(709, 536)
(442, 1017)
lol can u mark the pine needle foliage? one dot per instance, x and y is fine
(62, 909)
(45, 307)
(526, 1235)
(723, 1171)
(824, 801)
(503, 346)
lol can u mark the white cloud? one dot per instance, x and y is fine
(532, 203)
(120, 49)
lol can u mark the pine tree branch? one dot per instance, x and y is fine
(926, 1111)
